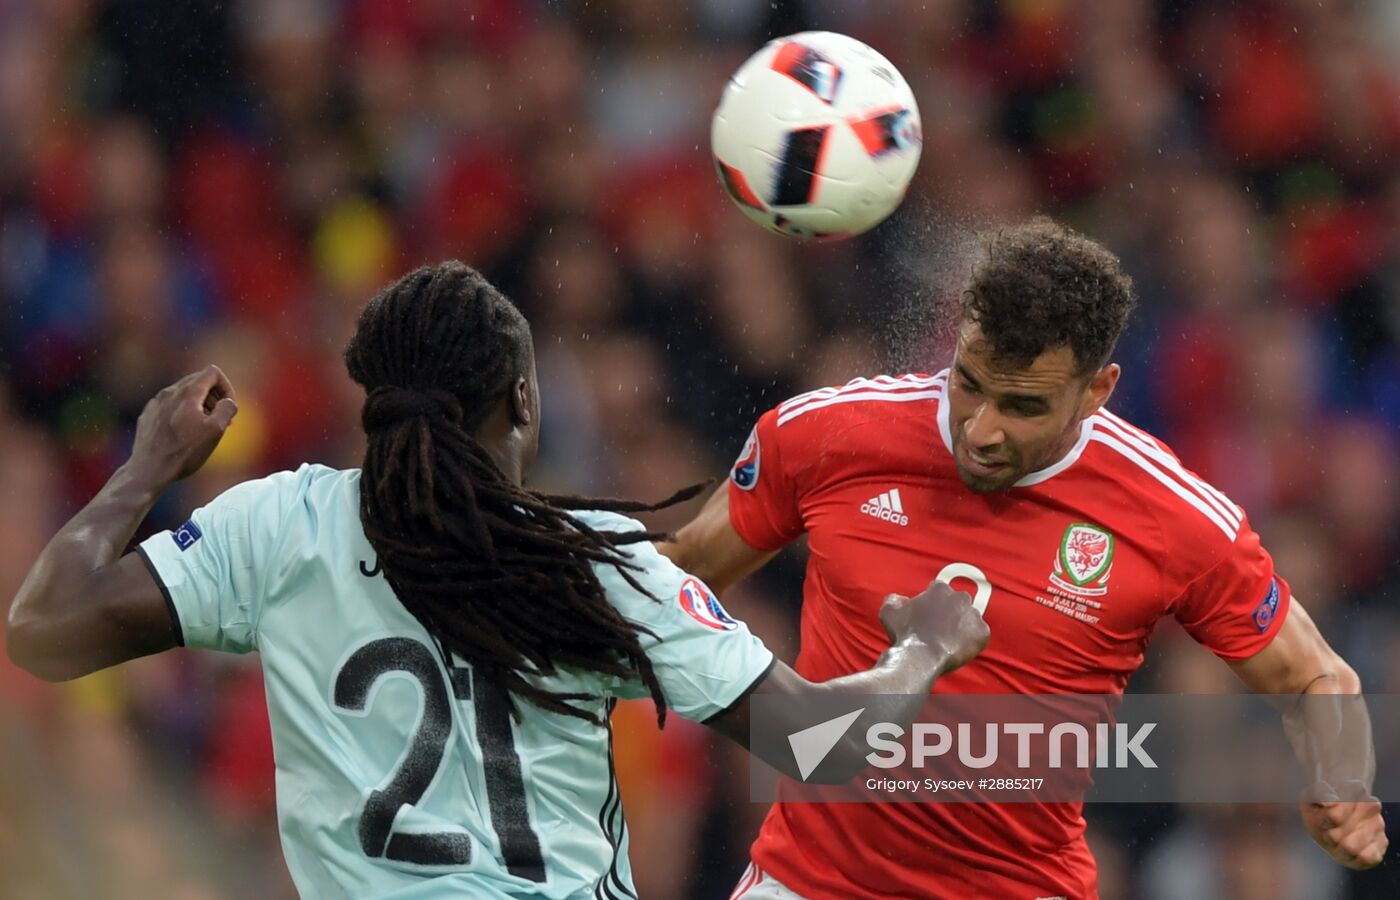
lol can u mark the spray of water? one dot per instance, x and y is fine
(927, 260)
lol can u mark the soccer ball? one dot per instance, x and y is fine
(816, 136)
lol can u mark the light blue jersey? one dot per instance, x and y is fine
(397, 774)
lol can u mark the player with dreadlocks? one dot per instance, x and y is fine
(452, 530)
(441, 646)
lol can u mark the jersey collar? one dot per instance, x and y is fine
(1086, 428)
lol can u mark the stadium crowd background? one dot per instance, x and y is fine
(184, 183)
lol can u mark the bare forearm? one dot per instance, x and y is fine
(934, 633)
(894, 690)
(1330, 729)
(1318, 695)
(99, 533)
(906, 669)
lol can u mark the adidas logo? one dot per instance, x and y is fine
(886, 507)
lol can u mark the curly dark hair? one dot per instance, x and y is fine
(1040, 285)
(500, 575)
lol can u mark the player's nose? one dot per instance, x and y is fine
(983, 429)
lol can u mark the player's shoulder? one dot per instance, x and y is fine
(308, 484)
(309, 491)
(642, 553)
(884, 422)
(646, 564)
(283, 486)
(603, 520)
(316, 481)
(1187, 507)
(888, 399)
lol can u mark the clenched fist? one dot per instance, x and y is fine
(1352, 833)
(940, 617)
(182, 425)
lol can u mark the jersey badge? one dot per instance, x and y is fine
(745, 471)
(186, 535)
(1084, 561)
(703, 606)
(1268, 607)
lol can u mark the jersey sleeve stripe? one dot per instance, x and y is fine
(1131, 428)
(879, 383)
(885, 396)
(883, 382)
(1200, 482)
(749, 880)
(1219, 501)
(1155, 450)
(1203, 483)
(1172, 484)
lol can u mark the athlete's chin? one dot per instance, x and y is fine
(989, 483)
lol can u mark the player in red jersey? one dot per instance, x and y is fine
(1075, 531)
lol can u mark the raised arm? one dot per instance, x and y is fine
(711, 549)
(84, 606)
(931, 635)
(1332, 739)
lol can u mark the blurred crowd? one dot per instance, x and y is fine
(184, 183)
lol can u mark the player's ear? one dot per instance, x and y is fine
(1101, 385)
(523, 403)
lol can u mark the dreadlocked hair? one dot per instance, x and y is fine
(501, 576)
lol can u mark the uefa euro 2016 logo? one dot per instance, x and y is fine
(745, 471)
(702, 606)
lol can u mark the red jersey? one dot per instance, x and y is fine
(1072, 567)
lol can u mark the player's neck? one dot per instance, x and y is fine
(507, 461)
(1065, 447)
(504, 443)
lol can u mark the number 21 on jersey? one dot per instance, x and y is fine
(505, 787)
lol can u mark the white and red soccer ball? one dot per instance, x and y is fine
(816, 136)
